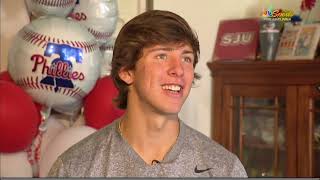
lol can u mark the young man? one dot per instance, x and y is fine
(153, 67)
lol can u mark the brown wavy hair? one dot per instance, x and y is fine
(150, 28)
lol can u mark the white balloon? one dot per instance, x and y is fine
(15, 165)
(56, 61)
(99, 16)
(61, 143)
(60, 8)
(53, 128)
(107, 53)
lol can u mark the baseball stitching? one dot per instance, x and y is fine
(105, 48)
(99, 35)
(55, 3)
(41, 40)
(33, 83)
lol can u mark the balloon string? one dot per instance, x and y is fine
(33, 151)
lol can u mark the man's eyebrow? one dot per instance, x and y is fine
(160, 49)
(169, 49)
(187, 52)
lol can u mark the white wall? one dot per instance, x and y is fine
(204, 16)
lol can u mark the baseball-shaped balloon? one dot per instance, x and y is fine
(107, 53)
(60, 8)
(56, 61)
(99, 16)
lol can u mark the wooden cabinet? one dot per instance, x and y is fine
(268, 113)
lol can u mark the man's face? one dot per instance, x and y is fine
(162, 78)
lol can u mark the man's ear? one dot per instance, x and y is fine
(126, 75)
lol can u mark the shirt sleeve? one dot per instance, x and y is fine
(238, 169)
(57, 169)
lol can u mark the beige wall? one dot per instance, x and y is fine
(13, 17)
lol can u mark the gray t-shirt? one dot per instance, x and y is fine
(106, 154)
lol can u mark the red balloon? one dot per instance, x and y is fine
(4, 75)
(99, 110)
(19, 118)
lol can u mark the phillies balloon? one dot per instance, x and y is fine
(19, 118)
(107, 53)
(99, 110)
(60, 8)
(56, 61)
(99, 16)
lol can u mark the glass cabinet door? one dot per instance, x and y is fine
(259, 134)
(261, 123)
(309, 132)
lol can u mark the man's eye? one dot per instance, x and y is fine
(188, 59)
(162, 56)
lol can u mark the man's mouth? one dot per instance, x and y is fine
(174, 88)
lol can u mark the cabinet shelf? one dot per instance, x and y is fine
(260, 144)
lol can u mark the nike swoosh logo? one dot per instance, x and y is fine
(196, 170)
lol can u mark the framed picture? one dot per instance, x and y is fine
(237, 39)
(299, 42)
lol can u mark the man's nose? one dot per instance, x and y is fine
(175, 67)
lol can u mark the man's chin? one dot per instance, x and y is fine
(172, 111)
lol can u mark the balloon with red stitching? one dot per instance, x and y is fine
(56, 61)
(99, 16)
(19, 118)
(61, 8)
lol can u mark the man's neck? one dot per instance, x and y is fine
(151, 136)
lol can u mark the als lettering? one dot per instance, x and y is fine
(59, 73)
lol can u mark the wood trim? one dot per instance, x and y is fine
(258, 91)
(241, 130)
(217, 127)
(276, 136)
(300, 72)
(263, 67)
(291, 130)
(305, 130)
(227, 121)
